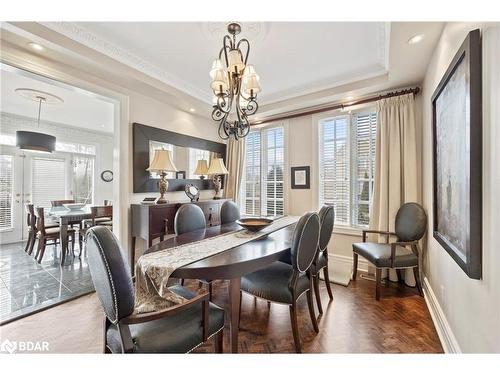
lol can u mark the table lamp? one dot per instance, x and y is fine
(162, 163)
(216, 169)
(201, 168)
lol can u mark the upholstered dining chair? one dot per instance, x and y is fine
(31, 225)
(327, 219)
(176, 329)
(229, 212)
(284, 283)
(99, 215)
(48, 235)
(410, 227)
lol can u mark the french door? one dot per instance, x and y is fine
(27, 177)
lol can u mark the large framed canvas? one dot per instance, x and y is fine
(457, 160)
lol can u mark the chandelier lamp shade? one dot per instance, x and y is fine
(35, 141)
(235, 86)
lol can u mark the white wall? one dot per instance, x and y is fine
(10, 123)
(470, 308)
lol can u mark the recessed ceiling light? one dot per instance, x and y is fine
(36, 46)
(191, 109)
(416, 39)
(350, 98)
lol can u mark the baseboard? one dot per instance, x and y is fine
(362, 263)
(446, 336)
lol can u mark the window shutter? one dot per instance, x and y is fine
(49, 181)
(273, 174)
(252, 174)
(6, 191)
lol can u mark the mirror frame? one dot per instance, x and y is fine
(142, 134)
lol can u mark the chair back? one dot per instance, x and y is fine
(411, 222)
(59, 203)
(101, 211)
(229, 212)
(110, 273)
(188, 218)
(326, 218)
(30, 216)
(305, 241)
(40, 220)
(108, 202)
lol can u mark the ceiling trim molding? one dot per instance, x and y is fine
(82, 35)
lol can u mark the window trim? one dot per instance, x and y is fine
(315, 167)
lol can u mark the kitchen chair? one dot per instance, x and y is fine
(410, 227)
(100, 215)
(177, 329)
(285, 283)
(229, 212)
(46, 234)
(31, 224)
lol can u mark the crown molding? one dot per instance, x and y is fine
(82, 35)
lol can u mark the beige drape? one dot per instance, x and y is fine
(235, 160)
(395, 164)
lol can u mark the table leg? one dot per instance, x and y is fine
(234, 316)
(63, 239)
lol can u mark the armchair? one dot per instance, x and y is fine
(410, 227)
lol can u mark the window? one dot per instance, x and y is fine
(347, 162)
(195, 155)
(264, 173)
(83, 179)
(49, 180)
(6, 186)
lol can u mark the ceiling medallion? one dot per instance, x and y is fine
(234, 83)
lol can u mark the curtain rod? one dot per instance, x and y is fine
(414, 91)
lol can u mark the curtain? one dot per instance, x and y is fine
(235, 161)
(395, 165)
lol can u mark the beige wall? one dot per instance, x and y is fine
(470, 308)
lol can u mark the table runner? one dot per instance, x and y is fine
(154, 269)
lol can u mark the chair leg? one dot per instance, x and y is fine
(354, 265)
(310, 304)
(30, 235)
(416, 273)
(327, 282)
(239, 311)
(295, 328)
(316, 293)
(219, 342)
(41, 249)
(210, 289)
(378, 282)
(182, 282)
(32, 245)
(400, 276)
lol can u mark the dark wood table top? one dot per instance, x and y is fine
(234, 262)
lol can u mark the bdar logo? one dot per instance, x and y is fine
(8, 346)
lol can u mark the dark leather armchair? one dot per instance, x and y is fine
(285, 283)
(229, 212)
(177, 329)
(410, 227)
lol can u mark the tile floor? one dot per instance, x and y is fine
(27, 287)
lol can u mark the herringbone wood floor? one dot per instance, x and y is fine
(354, 322)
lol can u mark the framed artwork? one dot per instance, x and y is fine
(457, 160)
(301, 178)
(180, 175)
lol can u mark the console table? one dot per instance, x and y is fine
(150, 221)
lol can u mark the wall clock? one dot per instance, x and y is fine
(107, 175)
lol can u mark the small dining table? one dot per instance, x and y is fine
(231, 264)
(65, 216)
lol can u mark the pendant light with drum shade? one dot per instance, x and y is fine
(35, 141)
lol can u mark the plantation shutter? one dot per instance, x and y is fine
(273, 173)
(334, 167)
(6, 191)
(49, 181)
(252, 174)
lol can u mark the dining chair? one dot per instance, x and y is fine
(229, 212)
(188, 218)
(99, 215)
(176, 329)
(410, 227)
(48, 235)
(327, 218)
(29, 209)
(61, 203)
(286, 283)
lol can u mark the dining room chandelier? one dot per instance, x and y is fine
(234, 84)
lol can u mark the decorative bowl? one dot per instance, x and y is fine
(254, 224)
(74, 206)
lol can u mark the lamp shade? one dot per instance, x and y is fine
(235, 61)
(216, 65)
(162, 162)
(219, 81)
(217, 167)
(33, 141)
(201, 167)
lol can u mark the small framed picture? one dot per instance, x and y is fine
(301, 178)
(180, 175)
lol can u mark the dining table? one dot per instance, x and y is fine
(64, 216)
(230, 264)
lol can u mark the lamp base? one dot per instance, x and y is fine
(161, 201)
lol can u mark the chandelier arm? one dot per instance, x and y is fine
(244, 40)
(225, 47)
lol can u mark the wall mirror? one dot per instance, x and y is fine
(186, 152)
